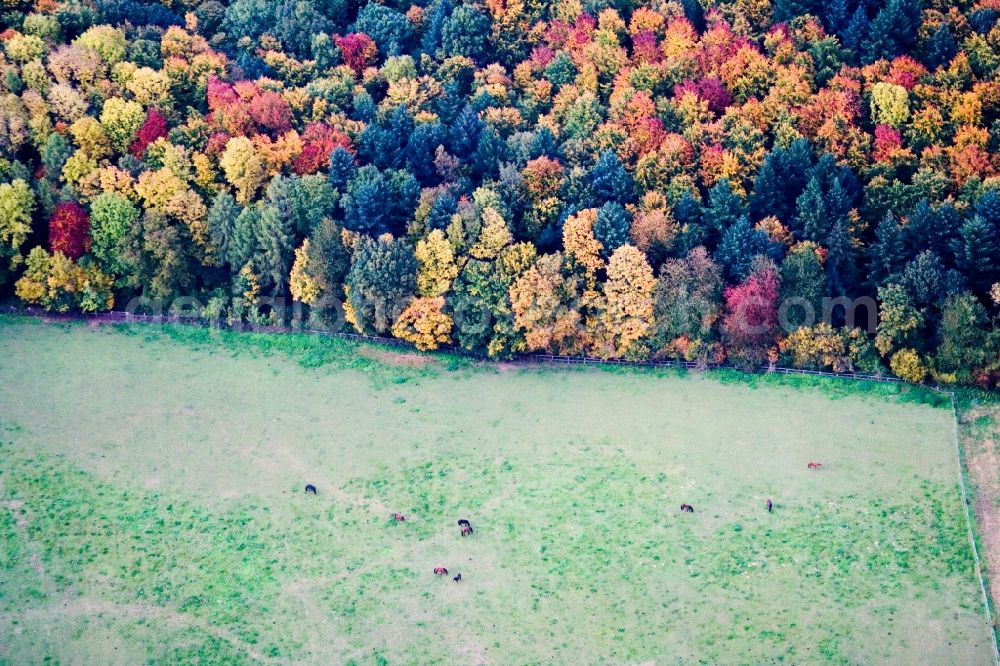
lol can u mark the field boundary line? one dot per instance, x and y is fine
(119, 317)
(969, 526)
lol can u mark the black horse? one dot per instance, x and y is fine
(310, 488)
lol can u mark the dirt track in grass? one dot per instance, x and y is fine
(979, 428)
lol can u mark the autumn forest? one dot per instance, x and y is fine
(815, 184)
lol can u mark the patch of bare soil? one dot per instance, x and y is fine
(983, 463)
(409, 360)
(15, 508)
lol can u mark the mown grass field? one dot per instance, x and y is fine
(151, 510)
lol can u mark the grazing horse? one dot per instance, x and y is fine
(815, 465)
(310, 488)
(440, 571)
(457, 578)
(770, 505)
(466, 526)
(398, 517)
(687, 507)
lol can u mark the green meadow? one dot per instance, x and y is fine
(152, 510)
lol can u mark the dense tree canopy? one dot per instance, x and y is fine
(682, 179)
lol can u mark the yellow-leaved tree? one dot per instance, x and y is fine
(579, 241)
(546, 302)
(303, 287)
(57, 283)
(245, 169)
(906, 364)
(424, 323)
(495, 235)
(437, 264)
(628, 314)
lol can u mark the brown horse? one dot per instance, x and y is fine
(440, 571)
(398, 517)
(466, 527)
(815, 465)
(687, 507)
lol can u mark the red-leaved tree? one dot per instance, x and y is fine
(358, 50)
(69, 230)
(750, 323)
(271, 113)
(153, 128)
(318, 141)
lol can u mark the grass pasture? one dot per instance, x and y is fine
(151, 510)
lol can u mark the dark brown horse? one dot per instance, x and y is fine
(466, 527)
(687, 507)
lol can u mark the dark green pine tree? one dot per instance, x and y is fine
(221, 222)
(893, 32)
(796, 167)
(445, 205)
(940, 48)
(463, 136)
(54, 153)
(788, 10)
(802, 279)
(724, 209)
(366, 202)
(835, 16)
(466, 33)
(384, 143)
(612, 227)
(390, 29)
(887, 254)
(947, 222)
(420, 151)
(243, 243)
(740, 244)
(812, 218)
(383, 278)
(855, 33)
(768, 197)
(691, 230)
(329, 257)
(404, 192)
(276, 243)
(491, 150)
(925, 280)
(988, 207)
(342, 168)
(841, 266)
(302, 200)
(977, 253)
(610, 181)
(922, 232)
(436, 14)
(837, 200)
